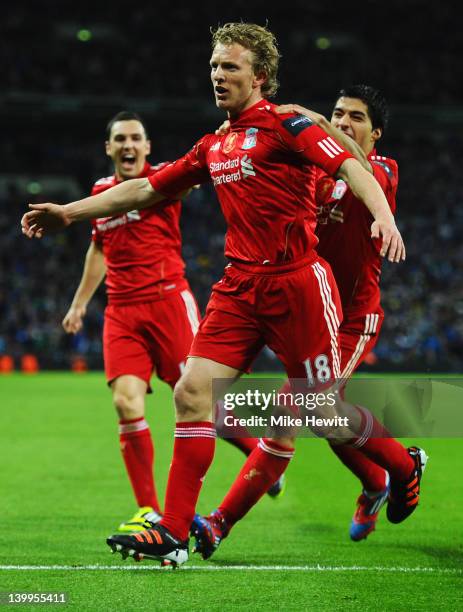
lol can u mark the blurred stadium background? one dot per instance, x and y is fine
(67, 68)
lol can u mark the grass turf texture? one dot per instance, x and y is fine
(64, 490)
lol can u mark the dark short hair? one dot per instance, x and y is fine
(124, 116)
(373, 99)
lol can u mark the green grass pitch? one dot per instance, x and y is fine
(63, 490)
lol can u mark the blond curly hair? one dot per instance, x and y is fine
(262, 44)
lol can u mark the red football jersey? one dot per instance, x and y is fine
(142, 248)
(261, 171)
(344, 230)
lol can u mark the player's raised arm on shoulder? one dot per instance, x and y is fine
(347, 142)
(366, 188)
(321, 121)
(128, 195)
(303, 136)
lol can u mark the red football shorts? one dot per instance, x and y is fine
(294, 309)
(357, 337)
(140, 338)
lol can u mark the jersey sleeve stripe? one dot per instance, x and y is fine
(335, 145)
(331, 148)
(322, 145)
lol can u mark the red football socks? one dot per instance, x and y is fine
(372, 476)
(138, 454)
(263, 467)
(375, 442)
(193, 453)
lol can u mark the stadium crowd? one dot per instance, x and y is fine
(423, 298)
(85, 44)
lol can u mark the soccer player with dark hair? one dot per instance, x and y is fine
(275, 291)
(151, 316)
(361, 114)
(358, 121)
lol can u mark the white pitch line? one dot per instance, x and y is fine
(241, 568)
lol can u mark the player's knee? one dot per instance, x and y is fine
(128, 406)
(189, 399)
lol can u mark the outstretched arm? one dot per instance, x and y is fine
(128, 195)
(367, 189)
(93, 273)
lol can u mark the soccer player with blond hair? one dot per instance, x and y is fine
(358, 121)
(276, 290)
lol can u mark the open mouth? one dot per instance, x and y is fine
(128, 160)
(220, 92)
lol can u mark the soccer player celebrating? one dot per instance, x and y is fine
(361, 114)
(275, 291)
(151, 316)
(358, 121)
